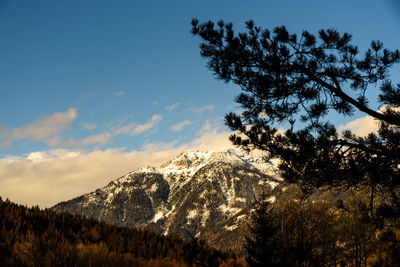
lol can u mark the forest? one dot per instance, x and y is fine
(326, 228)
(35, 237)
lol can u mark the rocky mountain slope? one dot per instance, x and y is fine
(207, 195)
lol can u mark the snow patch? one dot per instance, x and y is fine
(170, 211)
(110, 197)
(192, 214)
(223, 208)
(234, 210)
(148, 169)
(231, 228)
(273, 184)
(205, 216)
(241, 217)
(271, 199)
(159, 215)
(187, 163)
(241, 199)
(154, 188)
(227, 209)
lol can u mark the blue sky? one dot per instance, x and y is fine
(85, 78)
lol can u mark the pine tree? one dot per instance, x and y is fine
(263, 244)
(297, 81)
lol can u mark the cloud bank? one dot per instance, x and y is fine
(45, 178)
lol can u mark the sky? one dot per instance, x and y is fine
(90, 90)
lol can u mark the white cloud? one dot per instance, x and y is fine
(45, 178)
(101, 138)
(50, 128)
(209, 126)
(105, 137)
(179, 126)
(213, 141)
(44, 128)
(365, 125)
(172, 107)
(134, 128)
(89, 126)
(120, 93)
(362, 126)
(208, 108)
(142, 128)
(159, 146)
(123, 129)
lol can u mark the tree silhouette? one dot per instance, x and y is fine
(263, 243)
(298, 80)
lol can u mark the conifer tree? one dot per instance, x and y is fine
(297, 81)
(262, 244)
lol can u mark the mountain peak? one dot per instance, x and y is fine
(191, 195)
(148, 169)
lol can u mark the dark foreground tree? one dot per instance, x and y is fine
(262, 244)
(299, 81)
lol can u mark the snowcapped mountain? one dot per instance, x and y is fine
(207, 195)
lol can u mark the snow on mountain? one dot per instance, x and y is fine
(193, 195)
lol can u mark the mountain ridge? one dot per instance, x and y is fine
(189, 196)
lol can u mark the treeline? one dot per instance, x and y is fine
(34, 237)
(331, 228)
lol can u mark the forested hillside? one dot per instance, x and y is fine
(34, 237)
(326, 228)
